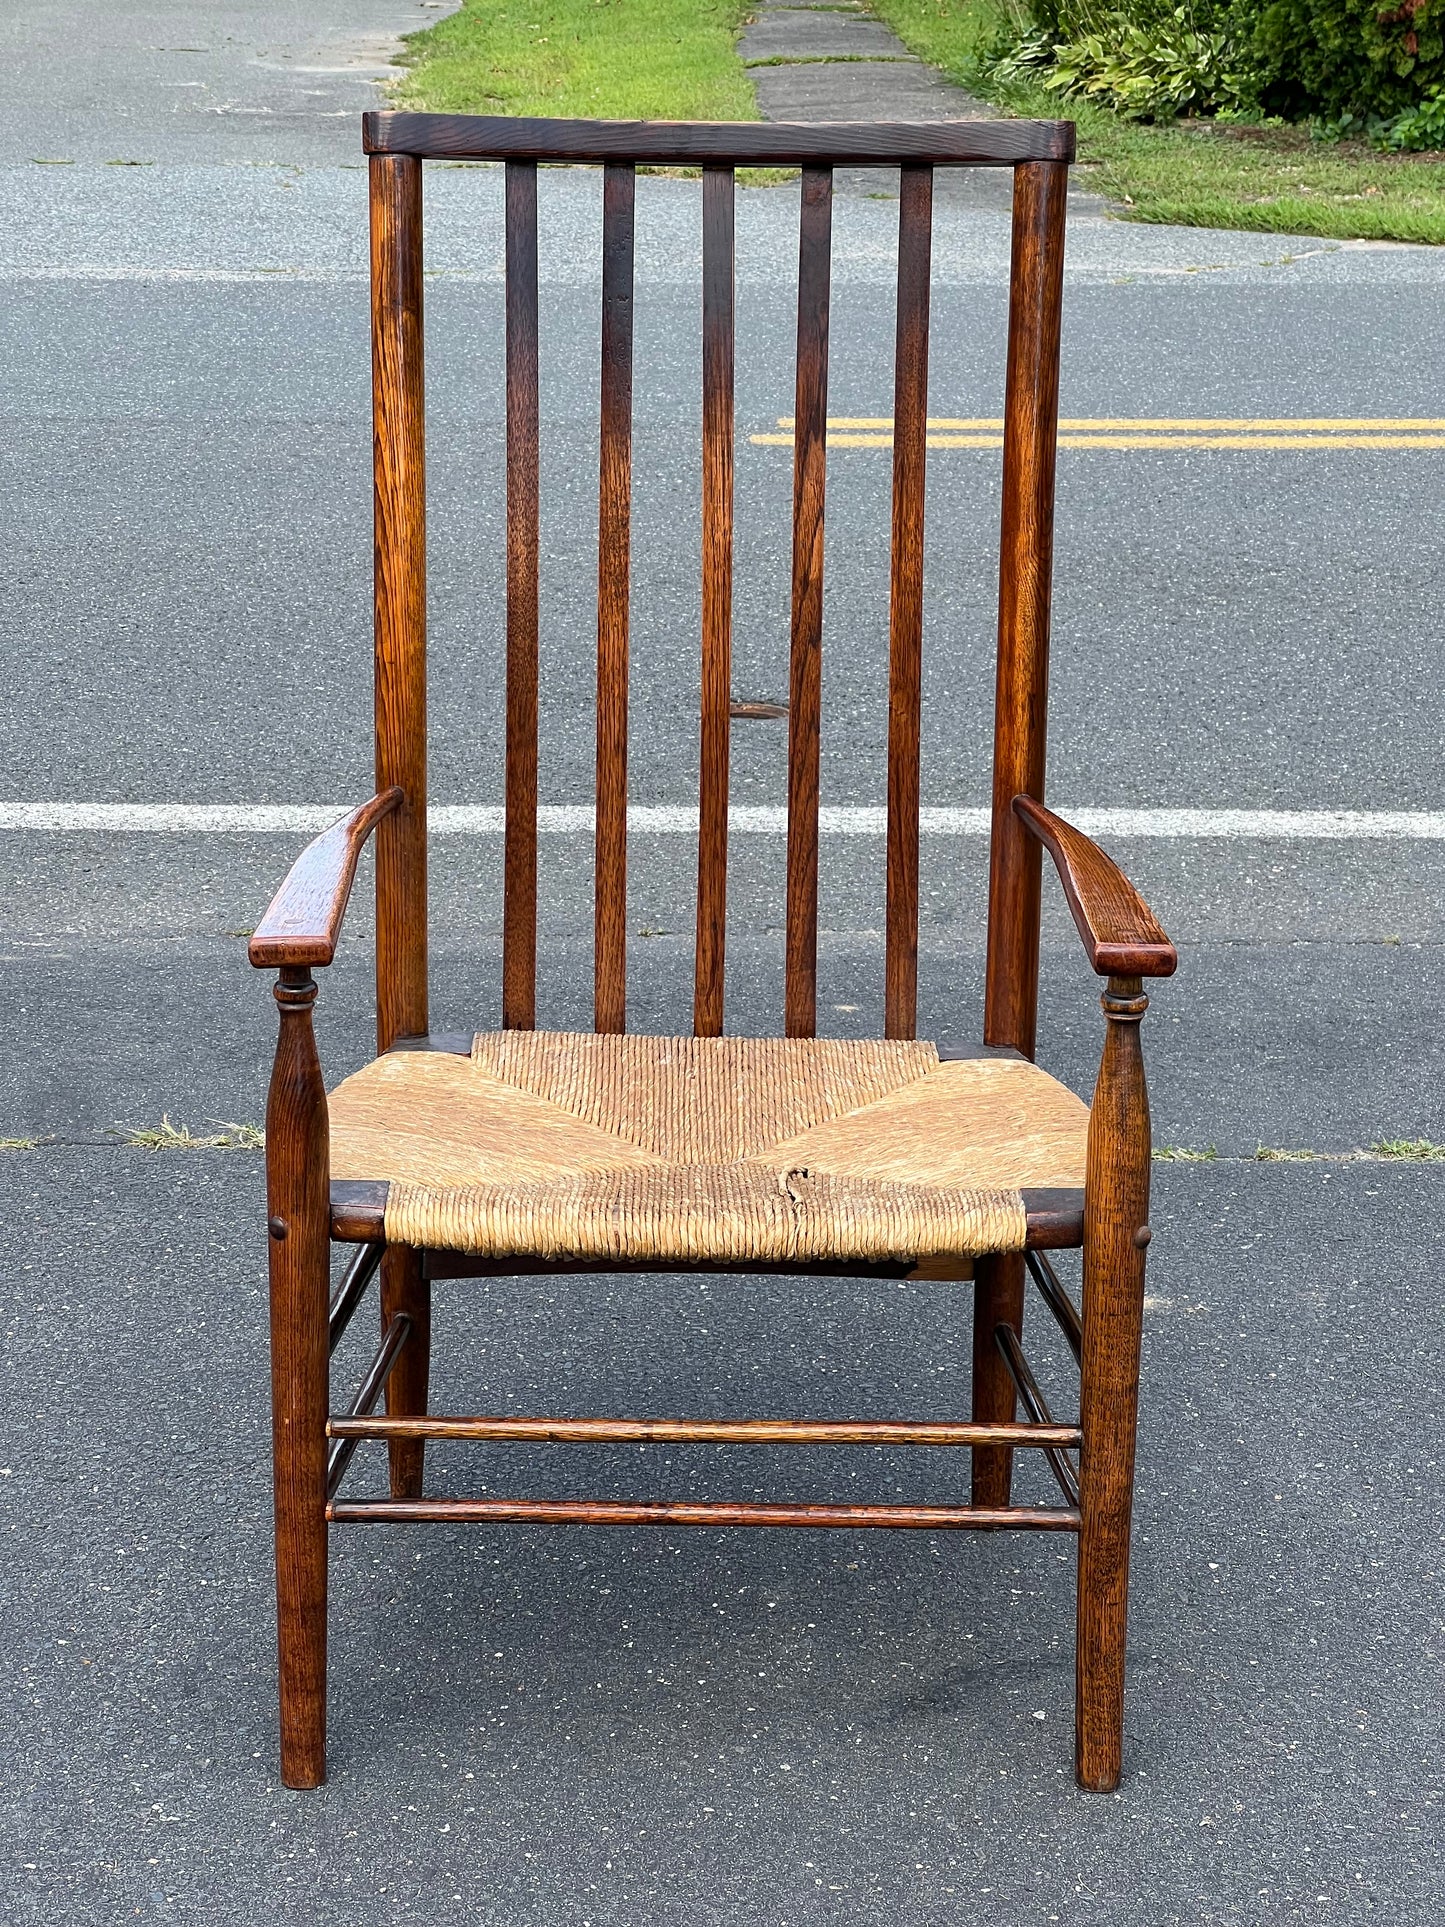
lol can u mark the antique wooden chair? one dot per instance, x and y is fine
(522, 1150)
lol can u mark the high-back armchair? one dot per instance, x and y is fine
(517, 1150)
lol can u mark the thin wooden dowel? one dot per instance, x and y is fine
(717, 596)
(905, 638)
(1035, 1404)
(372, 1386)
(519, 911)
(581, 1431)
(1031, 414)
(613, 549)
(1054, 1295)
(617, 1512)
(810, 443)
(400, 594)
(350, 1292)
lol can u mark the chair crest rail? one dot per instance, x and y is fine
(660, 143)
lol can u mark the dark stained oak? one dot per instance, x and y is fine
(1121, 933)
(614, 511)
(1116, 1236)
(717, 598)
(304, 919)
(297, 1150)
(998, 1299)
(974, 143)
(810, 457)
(746, 1431)
(406, 1293)
(1031, 414)
(620, 1512)
(519, 890)
(399, 441)
(905, 635)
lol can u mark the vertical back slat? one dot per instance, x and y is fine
(905, 640)
(613, 544)
(805, 678)
(1031, 413)
(519, 911)
(399, 478)
(717, 596)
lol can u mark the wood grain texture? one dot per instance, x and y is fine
(619, 1512)
(405, 1293)
(745, 1431)
(399, 441)
(998, 1299)
(905, 629)
(304, 918)
(1116, 1218)
(613, 584)
(1121, 934)
(980, 143)
(810, 444)
(1031, 410)
(717, 597)
(519, 912)
(297, 1207)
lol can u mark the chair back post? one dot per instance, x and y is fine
(400, 593)
(1031, 413)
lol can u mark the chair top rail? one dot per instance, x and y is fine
(661, 143)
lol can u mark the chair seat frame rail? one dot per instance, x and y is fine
(1092, 1459)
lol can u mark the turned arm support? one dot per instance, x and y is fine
(301, 926)
(1121, 933)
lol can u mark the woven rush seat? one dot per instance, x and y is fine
(715, 1149)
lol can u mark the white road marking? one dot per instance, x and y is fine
(486, 819)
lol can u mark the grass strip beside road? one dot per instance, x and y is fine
(590, 59)
(1272, 180)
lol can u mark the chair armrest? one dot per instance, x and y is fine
(1120, 931)
(304, 919)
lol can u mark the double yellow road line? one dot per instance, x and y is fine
(1350, 431)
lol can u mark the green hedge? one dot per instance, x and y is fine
(1364, 67)
(1338, 57)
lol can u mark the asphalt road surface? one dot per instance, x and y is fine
(717, 1728)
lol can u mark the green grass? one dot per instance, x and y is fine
(1275, 180)
(594, 59)
(166, 1136)
(1410, 1150)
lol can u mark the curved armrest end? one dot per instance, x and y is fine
(304, 919)
(1121, 933)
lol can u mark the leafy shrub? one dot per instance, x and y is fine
(1151, 72)
(1364, 68)
(1334, 57)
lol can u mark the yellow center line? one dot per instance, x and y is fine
(1164, 432)
(1322, 424)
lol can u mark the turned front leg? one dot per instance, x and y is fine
(298, 1202)
(1116, 1233)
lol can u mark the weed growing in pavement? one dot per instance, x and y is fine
(1281, 1154)
(18, 1143)
(1184, 1154)
(166, 1136)
(1409, 1150)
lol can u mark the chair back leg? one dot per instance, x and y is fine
(998, 1299)
(404, 1290)
(1116, 1234)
